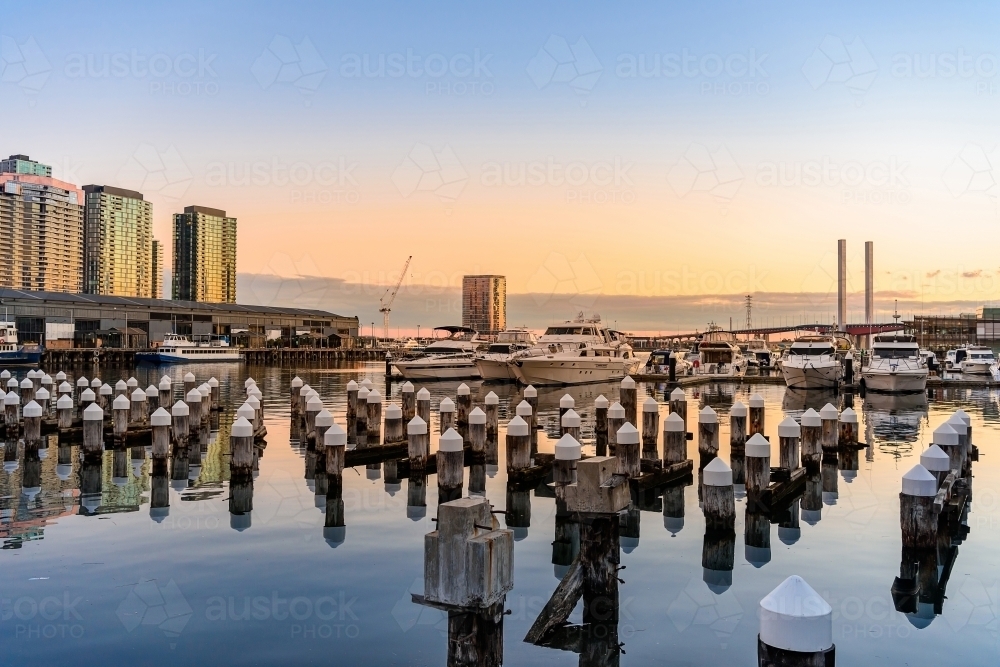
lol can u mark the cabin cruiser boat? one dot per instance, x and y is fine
(177, 349)
(658, 363)
(817, 361)
(758, 354)
(931, 360)
(719, 355)
(978, 360)
(953, 359)
(494, 363)
(896, 365)
(13, 353)
(450, 358)
(576, 352)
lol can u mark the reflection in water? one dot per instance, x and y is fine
(894, 421)
(796, 401)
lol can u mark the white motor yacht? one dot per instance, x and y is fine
(494, 363)
(978, 360)
(451, 358)
(658, 363)
(759, 354)
(953, 359)
(896, 365)
(816, 361)
(719, 354)
(576, 352)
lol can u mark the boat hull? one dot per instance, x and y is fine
(811, 376)
(452, 370)
(495, 369)
(895, 383)
(976, 367)
(554, 370)
(160, 358)
(20, 358)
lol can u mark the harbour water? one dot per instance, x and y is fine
(98, 572)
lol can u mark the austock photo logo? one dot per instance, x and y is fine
(974, 171)
(836, 62)
(425, 170)
(51, 617)
(152, 171)
(24, 64)
(558, 278)
(182, 74)
(707, 170)
(283, 62)
(559, 62)
(732, 74)
(698, 608)
(148, 604)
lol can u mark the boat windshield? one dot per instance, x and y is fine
(981, 355)
(894, 353)
(570, 331)
(500, 348)
(811, 351)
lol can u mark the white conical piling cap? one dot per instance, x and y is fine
(849, 416)
(945, 434)
(65, 402)
(13, 383)
(323, 418)
(180, 409)
(121, 403)
(789, 428)
(87, 395)
(159, 418)
(492, 399)
(374, 396)
(829, 411)
(312, 405)
(616, 411)
(919, 482)
(628, 435)
(297, 382)
(193, 396)
(964, 415)
(530, 392)
(166, 378)
(34, 374)
(46, 379)
(204, 390)
(213, 382)
(96, 383)
(601, 402)
(446, 405)
(568, 449)
(82, 382)
(794, 617)
(106, 389)
(367, 384)
(249, 381)
(60, 376)
(132, 382)
(242, 428)
(121, 386)
(189, 377)
(363, 395)
(27, 384)
(246, 410)
(708, 416)
(463, 389)
(523, 409)
(416, 426)
(11, 398)
(477, 416)
(152, 392)
(335, 436)
(567, 401)
(650, 405)
(138, 396)
(451, 441)
(628, 382)
(423, 394)
(407, 387)
(351, 386)
(674, 423)
(32, 409)
(5, 375)
(166, 386)
(65, 388)
(738, 410)
(677, 394)
(255, 391)
(717, 473)
(571, 419)
(934, 459)
(811, 418)
(393, 411)
(757, 446)
(517, 426)
(43, 394)
(957, 423)
(95, 413)
(253, 402)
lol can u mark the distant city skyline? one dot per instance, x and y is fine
(619, 155)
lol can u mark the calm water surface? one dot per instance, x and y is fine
(102, 577)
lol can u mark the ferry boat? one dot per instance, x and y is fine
(579, 351)
(719, 355)
(177, 349)
(494, 363)
(896, 365)
(978, 360)
(816, 361)
(13, 353)
(452, 358)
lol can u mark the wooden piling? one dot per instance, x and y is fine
(32, 413)
(627, 450)
(628, 396)
(566, 403)
(650, 429)
(213, 386)
(531, 396)
(848, 428)
(463, 405)
(43, 398)
(408, 400)
(568, 453)
(958, 424)
(93, 432)
(193, 399)
(526, 411)
(152, 399)
(373, 418)
(477, 430)
(708, 434)
(756, 415)
(164, 393)
(737, 428)
(718, 496)
(241, 448)
(424, 405)
(394, 434)
(788, 444)
(450, 466)
(137, 414)
(104, 398)
(206, 403)
(81, 384)
(758, 465)
(121, 388)
(518, 445)
(27, 391)
(811, 439)
(937, 462)
(189, 384)
(179, 423)
(796, 627)
(674, 439)
(159, 423)
(570, 424)
(918, 520)
(64, 412)
(616, 419)
(829, 418)
(601, 405)
(120, 412)
(258, 414)
(418, 443)
(446, 415)
(335, 441)
(12, 413)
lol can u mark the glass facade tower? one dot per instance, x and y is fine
(484, 303)
(118, 242)
(204, 262)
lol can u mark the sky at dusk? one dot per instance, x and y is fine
(654, 161)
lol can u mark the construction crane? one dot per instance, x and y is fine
(390, 295)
